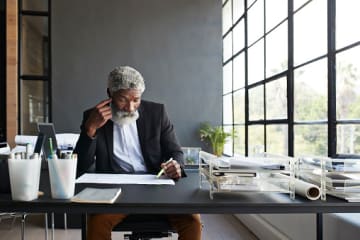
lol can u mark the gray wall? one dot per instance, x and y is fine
(175, 44)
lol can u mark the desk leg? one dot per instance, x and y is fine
(65, 221)
(319, 226)
(83, 226)
(52, 227)
(46, 226)
(23, 216)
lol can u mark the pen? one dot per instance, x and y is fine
(162, 170)
(52, 154)
(50, 146)
(27, 154)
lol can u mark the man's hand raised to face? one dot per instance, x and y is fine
(98, 117)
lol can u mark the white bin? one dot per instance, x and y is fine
(24, 178)
(62, 177)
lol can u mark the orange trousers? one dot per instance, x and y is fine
(188, 226)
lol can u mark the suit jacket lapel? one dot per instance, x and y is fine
(109, 126)
(140, 124)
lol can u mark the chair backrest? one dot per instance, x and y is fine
(4, 176)
(145, 226)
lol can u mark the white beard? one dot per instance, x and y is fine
(123, 118)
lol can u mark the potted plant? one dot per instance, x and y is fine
(215, 135)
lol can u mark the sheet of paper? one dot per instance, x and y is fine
(123, 179)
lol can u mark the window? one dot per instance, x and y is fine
(34, 71)
(292, 77)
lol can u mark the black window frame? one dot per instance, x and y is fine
(29, 77)
(331, 121)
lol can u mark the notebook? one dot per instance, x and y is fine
(97, 195)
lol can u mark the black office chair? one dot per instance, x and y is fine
(145, 226)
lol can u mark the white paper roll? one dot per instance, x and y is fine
(305, 189)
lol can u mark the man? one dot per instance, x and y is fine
(128, 135)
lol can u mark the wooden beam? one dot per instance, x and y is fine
(11, 71)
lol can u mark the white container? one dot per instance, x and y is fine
(62, 177)
(24, 178)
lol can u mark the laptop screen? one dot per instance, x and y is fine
(47, 131)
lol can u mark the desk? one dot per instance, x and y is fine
(184, 197)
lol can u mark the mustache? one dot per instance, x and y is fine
(123, 117)
(120, 113)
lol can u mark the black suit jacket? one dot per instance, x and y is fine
(157, 138)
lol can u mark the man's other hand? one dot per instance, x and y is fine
(98, 117)
(172, 169)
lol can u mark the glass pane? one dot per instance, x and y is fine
(239, 106)
(227, 77)
(276, 11)
(34, 46)
(276, 100)
(34, 105)
(227, 109)
(256, 139)
(256, 21)
(348, 139)
(347, 14)
(238, 9)
(256, 103)
(227, 17)
(310, 91)
(299, 3)
(239, 36)
(227, 48)
(239, 71)
(228, 147)
(277, 50)
(256, 62)
(37, 5)
(239, 140)
(310, 140)
(277, 139)
(348, 84)
(310, 32)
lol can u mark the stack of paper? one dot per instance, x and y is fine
(338, 184)
(109, 178)
(254, 163)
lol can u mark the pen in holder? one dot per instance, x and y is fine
(24, 176)
(62, 176)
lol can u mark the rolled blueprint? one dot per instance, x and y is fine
(305, 189)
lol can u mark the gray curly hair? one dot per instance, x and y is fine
(125, 77)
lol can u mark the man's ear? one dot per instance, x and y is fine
(108, 93)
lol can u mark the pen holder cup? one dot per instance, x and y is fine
(24, 178)
(62, 177)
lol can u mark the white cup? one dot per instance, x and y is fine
(62, 177)
(24, 178)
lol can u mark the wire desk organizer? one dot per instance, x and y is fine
(261, 173)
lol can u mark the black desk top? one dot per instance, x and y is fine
(184, 197)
